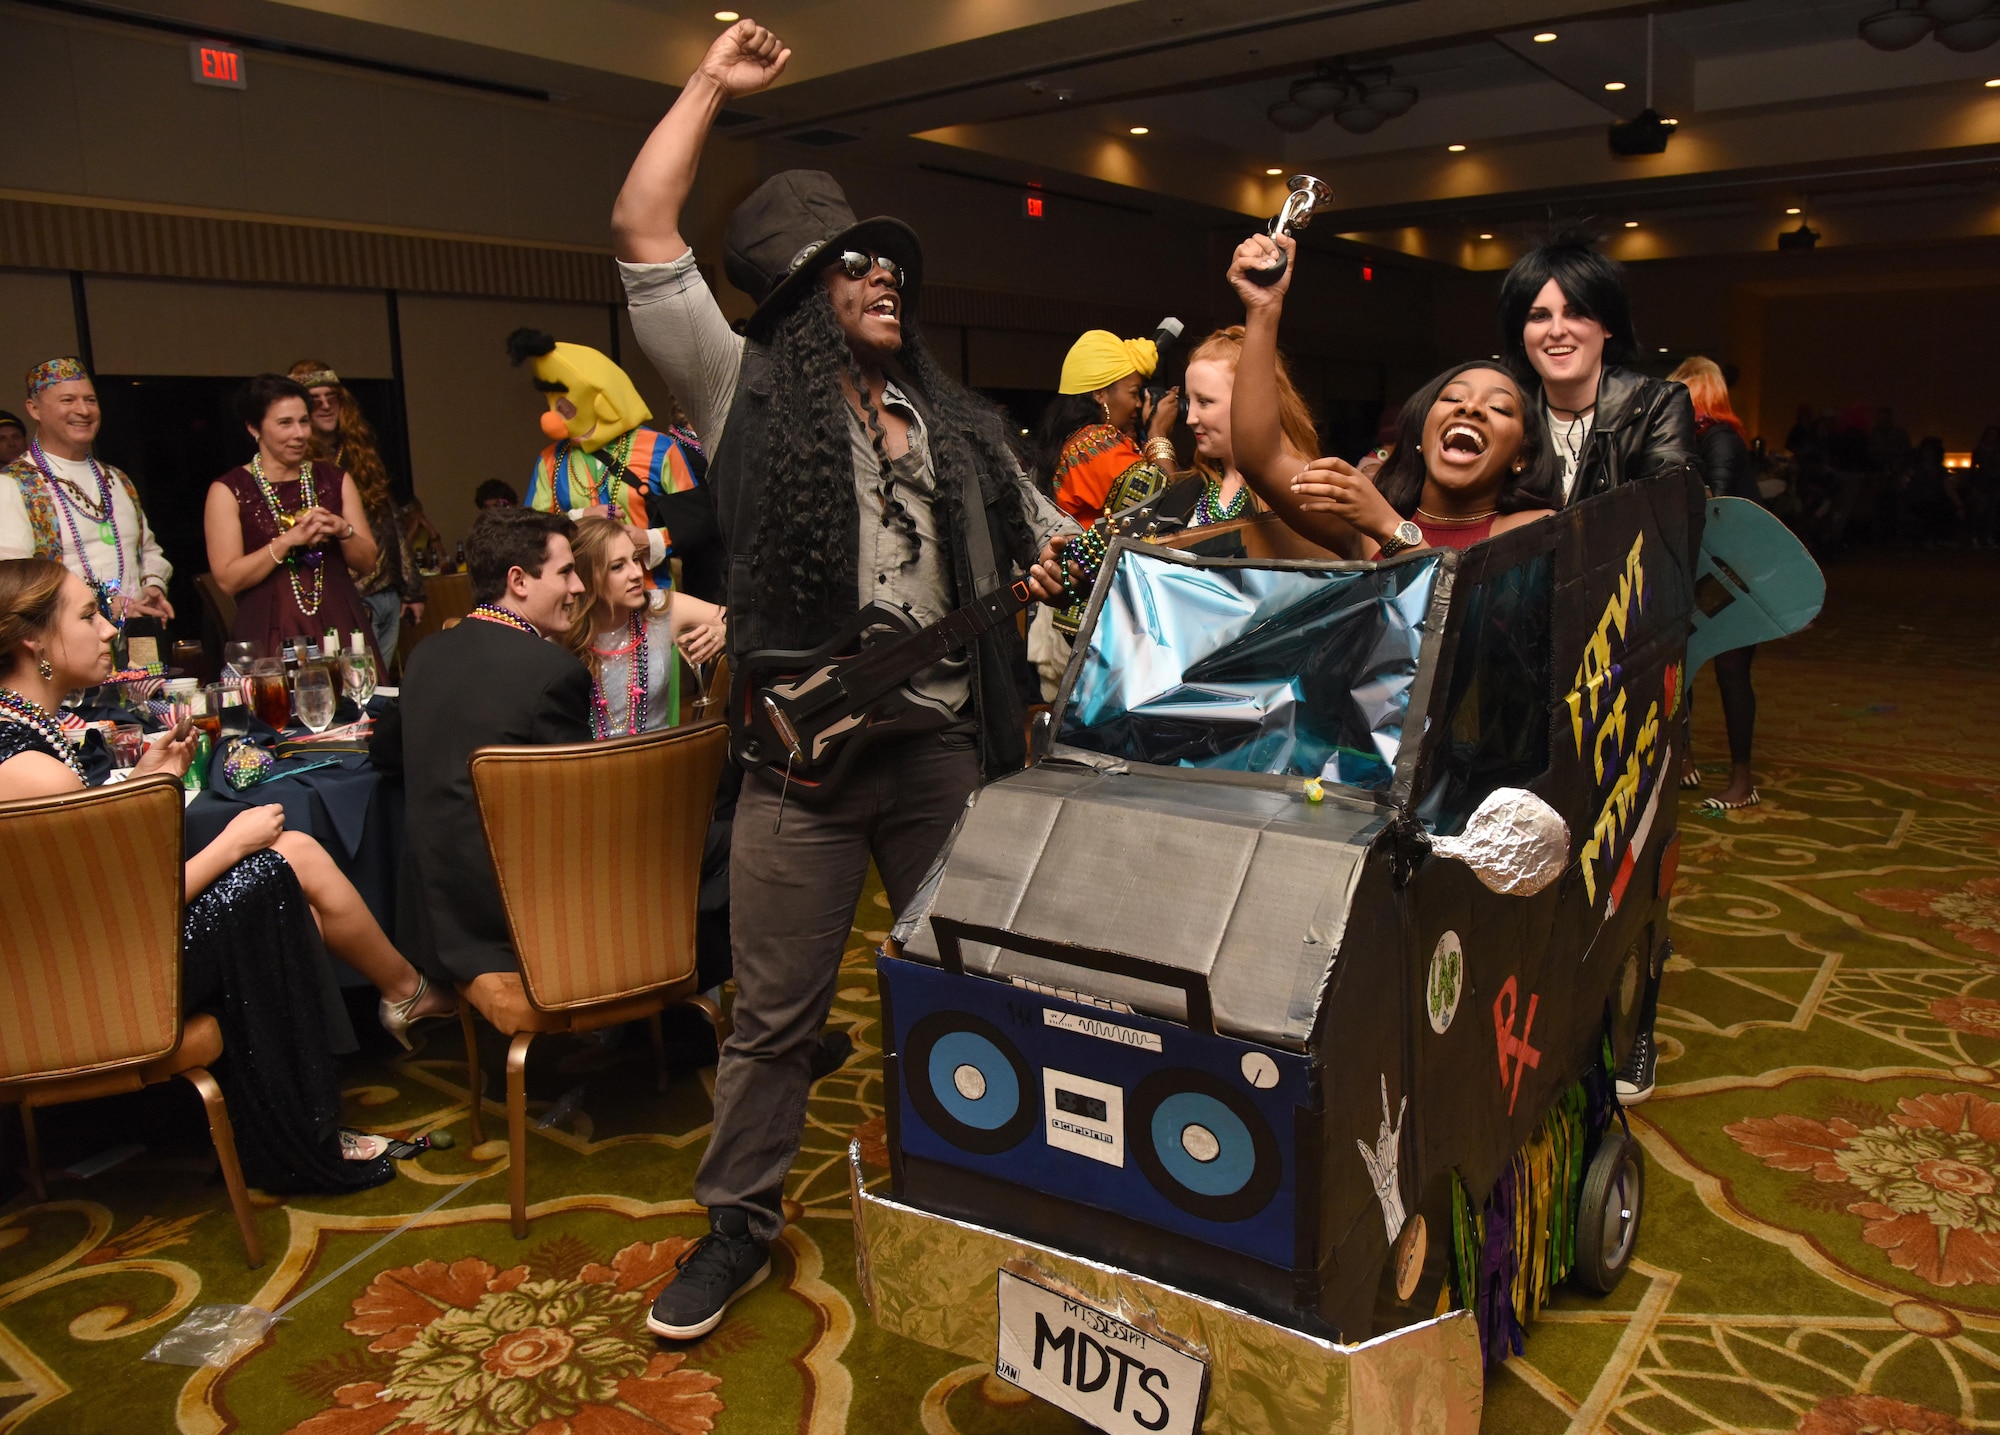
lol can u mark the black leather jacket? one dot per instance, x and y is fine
(1643, 426)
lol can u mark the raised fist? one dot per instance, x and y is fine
(744, 59)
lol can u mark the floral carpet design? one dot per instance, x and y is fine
(1820, 1251)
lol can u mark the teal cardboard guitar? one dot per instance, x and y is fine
(1753, 582)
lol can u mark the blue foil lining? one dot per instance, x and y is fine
(1299, 673)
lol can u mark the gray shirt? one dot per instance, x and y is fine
(683, 332)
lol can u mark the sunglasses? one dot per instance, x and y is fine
(856, 266)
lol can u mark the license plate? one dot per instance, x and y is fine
(1099, 1368)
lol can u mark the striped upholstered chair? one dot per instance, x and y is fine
(565, 825)
(90, 962)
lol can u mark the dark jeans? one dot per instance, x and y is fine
(792, 896)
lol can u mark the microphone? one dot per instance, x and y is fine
(1164, 338)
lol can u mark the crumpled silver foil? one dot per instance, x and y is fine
(1514, 841)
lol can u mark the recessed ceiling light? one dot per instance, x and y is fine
(1485, 236)
(727, 16)
(1663, 348)
(1274, 171)
(1614, 85)
(1631, 224)
(1993, 84)
(1456, 148)
(1793, 210)
(1545, 37)
(1140, 130)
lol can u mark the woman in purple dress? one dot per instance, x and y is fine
(279, 537)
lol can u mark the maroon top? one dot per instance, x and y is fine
(1456, 535)
(270, 613)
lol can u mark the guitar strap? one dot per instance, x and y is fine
(978, 538)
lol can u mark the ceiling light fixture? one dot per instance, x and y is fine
(1456, 148)
(1794, 209)
(727, 17)
(1485, 236)
(1139, 130)
(1274, 172)
(1545, 37)
(1323, 92)
(1965, 36)
(1993, 84)
(1292, 117)
(1896, 28)
(1631, 224)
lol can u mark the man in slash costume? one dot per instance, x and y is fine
(846, 467)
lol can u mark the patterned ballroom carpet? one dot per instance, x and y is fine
(1820, 1253)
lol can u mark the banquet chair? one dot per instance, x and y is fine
(593, 952)
(90, 958)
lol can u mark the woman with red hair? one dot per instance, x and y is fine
(1731, 473)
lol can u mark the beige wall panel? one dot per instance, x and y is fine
(472, 415)
(116, 117)
(165, 326)
(40, 324)
(151, 133)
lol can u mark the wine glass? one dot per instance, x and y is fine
(357, 675)
(312, 697)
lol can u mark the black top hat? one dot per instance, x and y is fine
(792, 225)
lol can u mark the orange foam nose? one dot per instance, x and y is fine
(553, 425)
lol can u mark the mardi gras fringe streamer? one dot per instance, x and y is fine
(1508, 1256)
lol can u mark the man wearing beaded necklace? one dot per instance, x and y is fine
(490, 680)
(57, 501)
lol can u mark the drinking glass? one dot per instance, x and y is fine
(312, 696)
(231, 719)
(268, 698)
(357, 675)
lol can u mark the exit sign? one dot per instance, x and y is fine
(1031, 205)
(213, 64)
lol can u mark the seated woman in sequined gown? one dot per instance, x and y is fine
(627, 636)
(253, 896)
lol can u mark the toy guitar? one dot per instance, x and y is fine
(809, 713)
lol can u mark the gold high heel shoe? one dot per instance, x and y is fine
(397, 1018)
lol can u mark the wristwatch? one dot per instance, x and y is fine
(1405, 535)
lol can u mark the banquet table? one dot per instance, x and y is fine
(348, 809)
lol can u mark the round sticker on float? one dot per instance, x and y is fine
(1447, 981)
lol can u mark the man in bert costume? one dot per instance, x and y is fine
(606, 460)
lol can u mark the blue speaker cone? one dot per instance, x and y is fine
(1204, 1145)
(971, 1078)
(968, 1083)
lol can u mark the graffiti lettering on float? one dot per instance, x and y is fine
(1596, 673)
(1616, 813)
(1622, 750)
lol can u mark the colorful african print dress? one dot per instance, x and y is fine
(1102, 471)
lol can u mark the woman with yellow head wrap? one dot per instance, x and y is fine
(1087, 450)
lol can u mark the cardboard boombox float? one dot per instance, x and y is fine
(1331, 880)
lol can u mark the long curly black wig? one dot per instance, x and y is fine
(805, 569)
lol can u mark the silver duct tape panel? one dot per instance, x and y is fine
(1246, 886)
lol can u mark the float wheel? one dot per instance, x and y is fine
(1608, 1212)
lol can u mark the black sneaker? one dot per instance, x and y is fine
(830, 1053)
(710, 1274)
(1635, 1080)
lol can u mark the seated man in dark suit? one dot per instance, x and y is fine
(495, 678)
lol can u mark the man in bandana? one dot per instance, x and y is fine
(57, 501)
